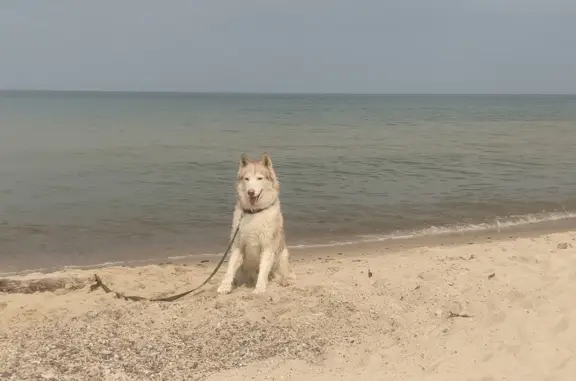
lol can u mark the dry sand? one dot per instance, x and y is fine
(502, 310)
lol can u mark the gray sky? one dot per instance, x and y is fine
(380, 46)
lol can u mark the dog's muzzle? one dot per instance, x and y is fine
(254, 199)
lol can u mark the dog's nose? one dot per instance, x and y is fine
(251, 192)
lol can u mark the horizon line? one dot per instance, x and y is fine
(183, 92)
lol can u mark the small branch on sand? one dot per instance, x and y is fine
(452, 315)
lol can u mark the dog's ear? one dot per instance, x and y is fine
(243, 160)
(266, 160)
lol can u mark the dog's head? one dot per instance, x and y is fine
(257, 186)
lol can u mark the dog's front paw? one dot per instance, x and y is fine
(225, 288)
(259, 290)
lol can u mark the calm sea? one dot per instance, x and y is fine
(88, 178)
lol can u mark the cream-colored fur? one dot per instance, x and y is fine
(259, 251)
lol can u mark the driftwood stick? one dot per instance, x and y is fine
(452, 315)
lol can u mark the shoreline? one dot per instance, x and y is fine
(387, 245)
(489, 306)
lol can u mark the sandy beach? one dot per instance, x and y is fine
(497, 309)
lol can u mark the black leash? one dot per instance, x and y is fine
(100, 284)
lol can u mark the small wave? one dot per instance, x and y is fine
(25, 272)
(131, 262)
(497, 224)
(69, 267)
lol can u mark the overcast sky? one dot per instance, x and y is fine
(355, 46)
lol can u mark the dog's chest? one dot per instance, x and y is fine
(259, 231)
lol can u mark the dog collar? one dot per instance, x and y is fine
(255, 211)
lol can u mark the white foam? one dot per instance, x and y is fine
(495, 225)
(130, 262)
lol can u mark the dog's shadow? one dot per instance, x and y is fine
(242, 279)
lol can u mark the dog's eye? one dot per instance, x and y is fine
(259, 178)
(246, 178)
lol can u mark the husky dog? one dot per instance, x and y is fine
(259, 252)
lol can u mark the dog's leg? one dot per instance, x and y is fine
(266, 262)
(234, 264)
(283, 272)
